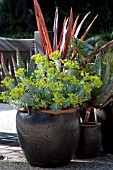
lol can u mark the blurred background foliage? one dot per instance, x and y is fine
(17, 18)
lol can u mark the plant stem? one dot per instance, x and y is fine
(107, 102)
(86, 120)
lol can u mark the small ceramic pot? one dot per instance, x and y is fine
(90, 140)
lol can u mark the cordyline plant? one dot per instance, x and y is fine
(78, 49)
(69, 30)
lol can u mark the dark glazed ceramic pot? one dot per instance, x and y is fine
(48, 140)
(90, 140)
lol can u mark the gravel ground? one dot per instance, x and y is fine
(7, 124)
(99, 163)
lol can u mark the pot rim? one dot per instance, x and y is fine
(90, 124)
(48, 111)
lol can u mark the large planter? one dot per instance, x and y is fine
(48, 140)
(90, 140)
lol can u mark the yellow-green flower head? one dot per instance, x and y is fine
(4, 96)
(71, 64)
(55, 55)
(37, 73)
(73, 99)
(39, 58)
(96, 81)
(87, 87)
(52, 64)
(7, 81)
(17, 92)
(58, 98)
(20, 72)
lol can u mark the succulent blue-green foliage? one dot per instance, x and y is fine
(84, 48)
(103, 66)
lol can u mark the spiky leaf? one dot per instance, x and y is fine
(74, 26)
(102, 48)
(20, 62)
(55, 30)
(97, 65)
(88, 29)
(80, 25)
(68, 35)
(42, 27)
(31, 67)
(6, 72)
(103, 97)
(15, 66)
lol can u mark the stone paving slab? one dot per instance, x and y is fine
(9, 145)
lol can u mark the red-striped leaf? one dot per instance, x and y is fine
(68, 35)
(61, 35)
(74, 26)
(80, 25)
(102, 48)
(41, 34)
(88, 29)
(55, 30)
(41, 22)
(6, 72)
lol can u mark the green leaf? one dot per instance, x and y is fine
(20, 62)
(15, 66)
(97, 66)
(103, 97)
(105, 79)
(66, 104)
(84, 48)
(31, 67)
(55, 107)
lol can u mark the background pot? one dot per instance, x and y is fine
(48, 140)
(90, 140)
(105, 116)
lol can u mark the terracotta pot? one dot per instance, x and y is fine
(90, 140)
(48, 140)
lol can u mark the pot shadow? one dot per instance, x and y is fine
(8, 139)
(5, 107)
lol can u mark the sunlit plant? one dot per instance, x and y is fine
(55, 84)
